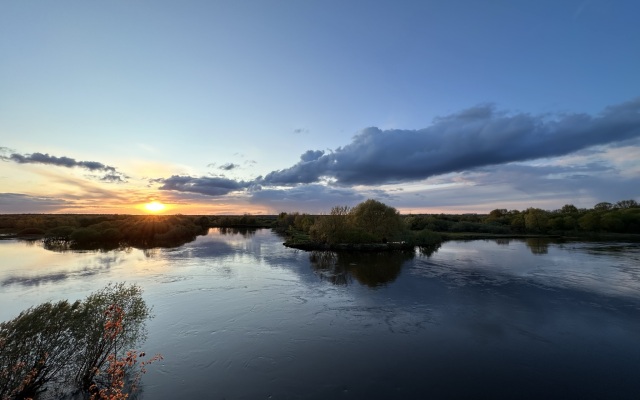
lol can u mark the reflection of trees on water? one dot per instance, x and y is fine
(503, 242)
(66, 246)
(538, 245)
(429, 250)
(245, 232)
(325, 265)
(371, 269)
(29, 242)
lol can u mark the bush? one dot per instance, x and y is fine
(60, 345)
(35, 349)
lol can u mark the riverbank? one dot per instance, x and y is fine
(301, 242)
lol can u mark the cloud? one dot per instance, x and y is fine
(111, 174)
(18, 203)
(311, 155)
(519, 186)
(476, 137)
(299, 131)
(313, 198)
(210, 186)
(229, 166)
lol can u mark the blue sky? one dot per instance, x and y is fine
(203, 104)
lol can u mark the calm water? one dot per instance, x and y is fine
(241, 316)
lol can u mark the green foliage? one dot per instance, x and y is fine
(98, 346)
(381, 222)
(627, 204)
(333, 228)
(36, 347)
(56, 345)
(108, 231)
(536, 220)
(590, 222)
(569, 209)
(427, 238)
(604, 206)
(242, 221)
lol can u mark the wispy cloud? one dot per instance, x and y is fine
(110, 173)
(229, 166)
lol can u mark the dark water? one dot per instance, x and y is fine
(238, 315)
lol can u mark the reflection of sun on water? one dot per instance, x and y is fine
(154, 207)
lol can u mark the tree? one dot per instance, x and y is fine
(91, 336)
(518, 222)
(379, 220)
(627, 204)
(590, 222)
(536, 220)
(58, 345)
(35, 349)
(603, 206)
(331, 228)
(568, 209)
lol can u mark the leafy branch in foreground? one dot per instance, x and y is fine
(60, 346)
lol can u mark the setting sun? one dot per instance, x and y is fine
(154, 206)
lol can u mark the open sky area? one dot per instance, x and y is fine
(263, 106)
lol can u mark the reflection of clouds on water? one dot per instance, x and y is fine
(220, 243)
(600, 268)
(94, 266)
(34, 280)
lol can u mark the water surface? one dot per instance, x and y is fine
(238, 315)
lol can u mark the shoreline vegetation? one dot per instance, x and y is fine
(84, 349)
(371, 226)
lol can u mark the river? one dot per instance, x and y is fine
(239, 316)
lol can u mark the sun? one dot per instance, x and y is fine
(154, 207)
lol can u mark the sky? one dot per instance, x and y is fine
(232, 107)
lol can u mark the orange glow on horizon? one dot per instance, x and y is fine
(154, 207)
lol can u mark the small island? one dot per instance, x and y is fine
(374, 226)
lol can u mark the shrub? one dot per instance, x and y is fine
(60, 345)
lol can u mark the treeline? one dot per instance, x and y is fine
(622, 217)
(243, 221)
(375, 222)
(106, 231)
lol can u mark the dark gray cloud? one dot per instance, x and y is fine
(229, 166)
(210, 186)
(312, 198)
(17, 203)
(311, 155)
(477, 137)
(111, 174)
